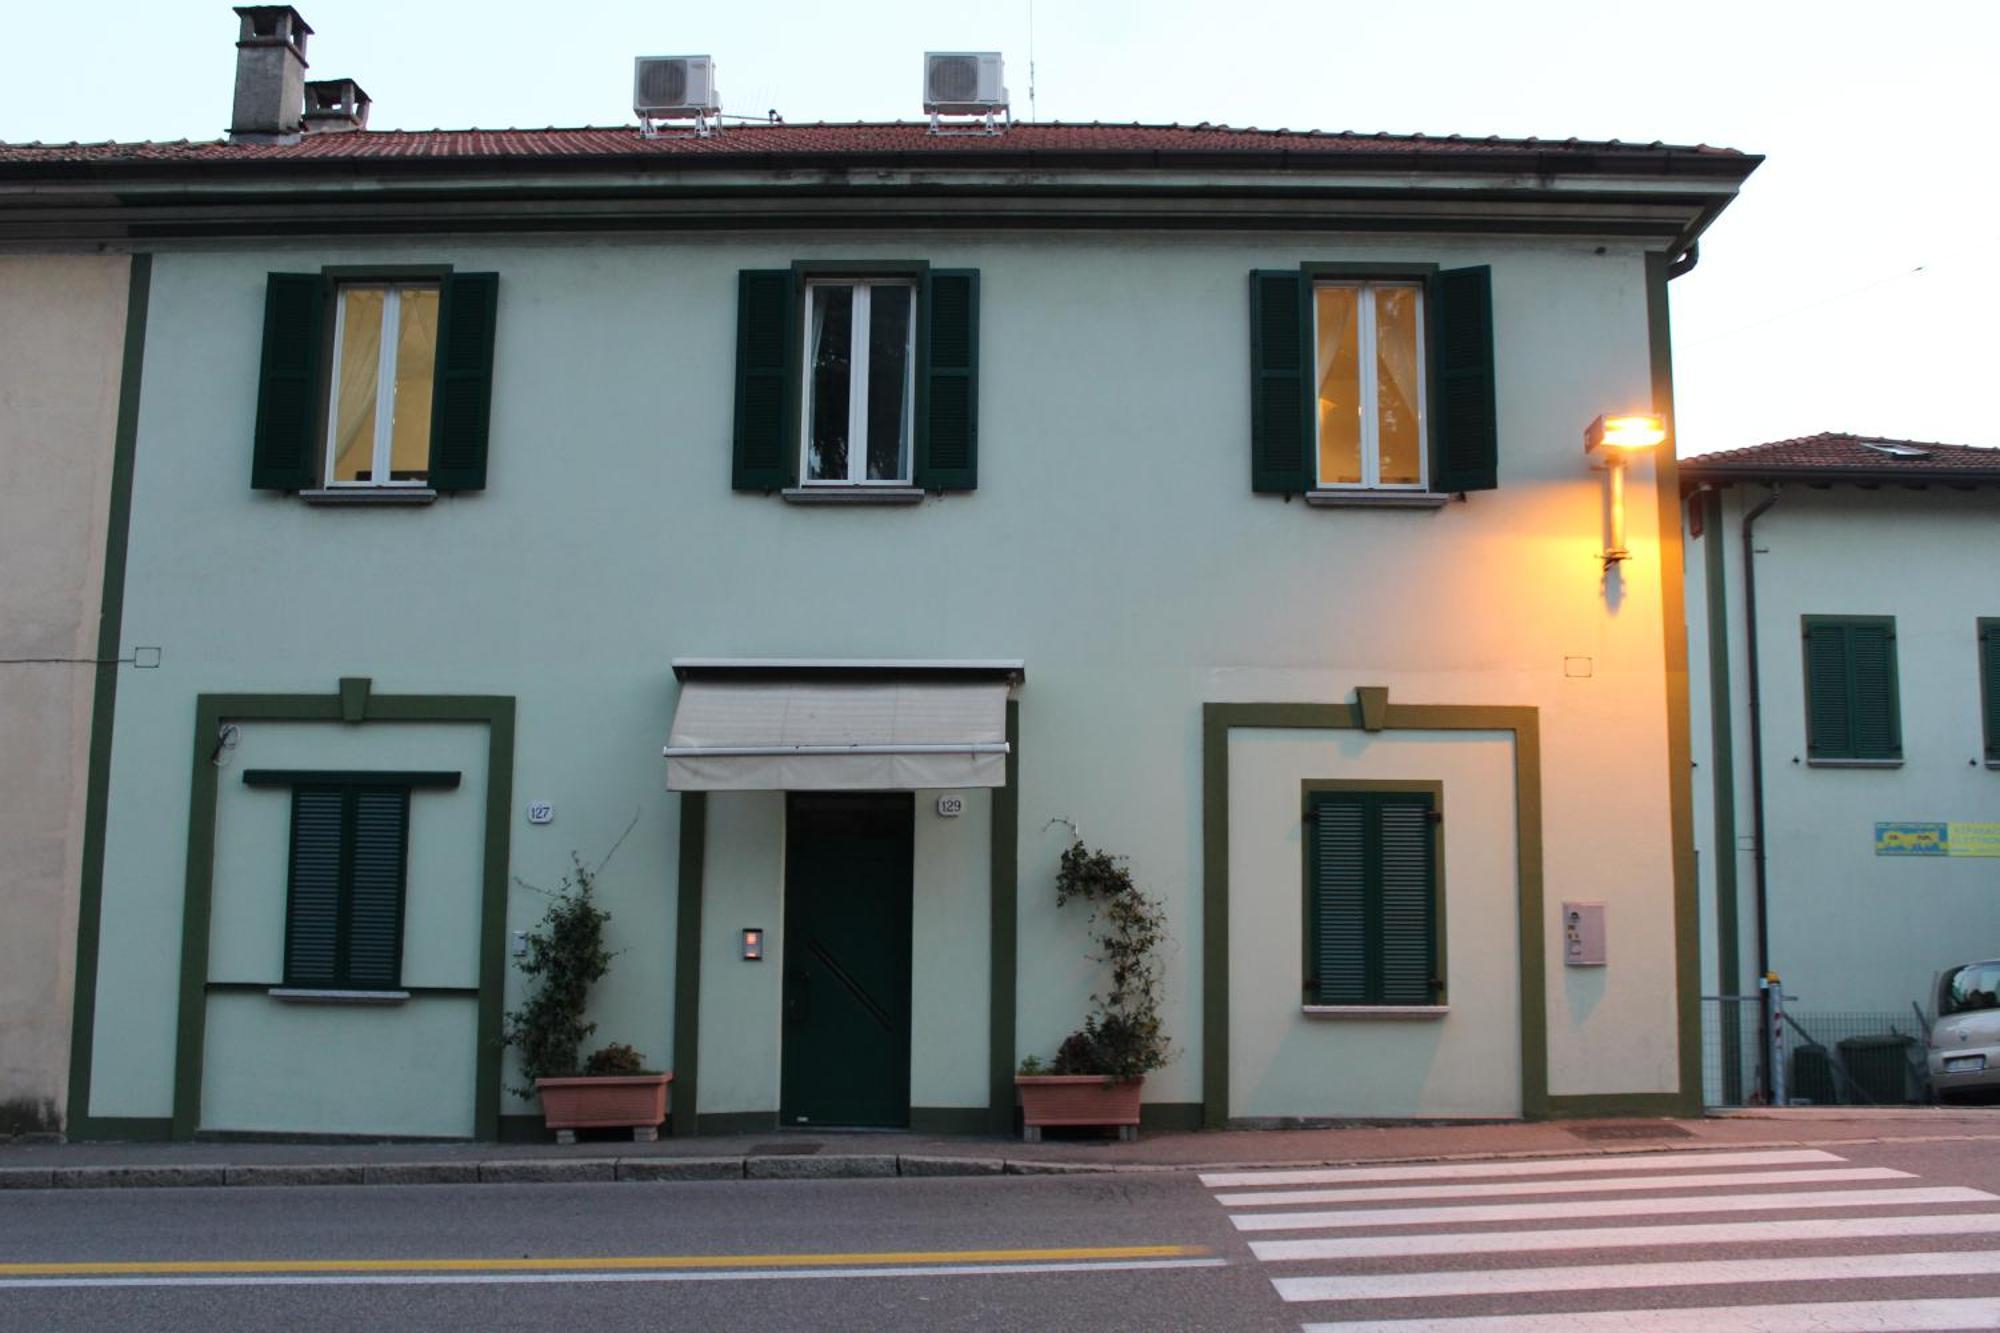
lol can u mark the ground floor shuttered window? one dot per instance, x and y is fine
(1371, 899)
(344, 912)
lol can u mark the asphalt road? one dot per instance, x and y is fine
(1900, 1235)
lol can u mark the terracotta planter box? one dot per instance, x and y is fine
(626, 1101)
(1078, 1099)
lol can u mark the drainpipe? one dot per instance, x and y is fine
(1686, 263)
(1758, 875)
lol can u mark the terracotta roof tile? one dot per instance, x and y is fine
(1832, 452)
(861, 139)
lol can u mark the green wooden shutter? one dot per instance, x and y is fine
(375, 888)
(1829, 725)
(1406, 881)
(1338, 889)
(1989, 685)
(1281, 400)
(284, 455)
(312, 910)
(947, 447)
(1878, 731)
(765, 456)
(1465, 441)
(462, 395)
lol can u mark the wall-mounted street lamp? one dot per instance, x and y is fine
(1609, 443)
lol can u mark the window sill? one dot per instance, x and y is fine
(1375, 1010)
(370, 495)
(852, 495)
(1854, 763)
(1332, 499)
(302, 995)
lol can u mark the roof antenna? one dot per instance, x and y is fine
(1032, 117)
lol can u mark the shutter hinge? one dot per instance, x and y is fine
(1434, 816)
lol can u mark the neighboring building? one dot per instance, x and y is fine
(62, 355)
(1218, 492)
(1868, 720)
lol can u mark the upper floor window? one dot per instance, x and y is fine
(856, 380)
(1368, 341)
(1852, 714)
(860, 390)
(384, 355)
(375, 383)
(1372, 383)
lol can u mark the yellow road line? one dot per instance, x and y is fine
(590, 1263)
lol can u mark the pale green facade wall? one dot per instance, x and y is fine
(1113, 544)
(1852, 931)
(62, 329)
(1285, 1063)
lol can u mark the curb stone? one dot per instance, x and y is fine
(1018, 1167)
(548, 1171)
(421, 1173)
(137, 1177)
(830, 1167)
(916, 1165)
(27, 1178)
(680, 1168)
(293, 1175)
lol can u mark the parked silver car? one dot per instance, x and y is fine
(1964, 1045)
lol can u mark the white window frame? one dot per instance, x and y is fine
(1371, 442)
(857, 387)
(385, 384)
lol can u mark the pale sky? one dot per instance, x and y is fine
(1852, 286)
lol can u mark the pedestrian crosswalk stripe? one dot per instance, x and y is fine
(1528, 1212)
(1611, 1277)
(1683, 1160)
(1495, 1189)
(1913, 1316)
(1621, 1238)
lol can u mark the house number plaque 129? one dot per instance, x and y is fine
(951, 807)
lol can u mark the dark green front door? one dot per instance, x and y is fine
(847, 959)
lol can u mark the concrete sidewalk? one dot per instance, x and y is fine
(791, 1154)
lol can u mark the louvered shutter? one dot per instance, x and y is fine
(375, 892)
(1878, 732)
(947, 452)
(312, 913)
(1339, 889)
(1406, 883)
(1989, 685)
(1281, 422)
(462, 396)
(1829, 727)
(765, 448)
(283, 454)
(1465, 445)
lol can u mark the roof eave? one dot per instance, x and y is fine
(1694, 473)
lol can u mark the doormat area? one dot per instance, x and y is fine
(805, 1149)
(1628, 1129)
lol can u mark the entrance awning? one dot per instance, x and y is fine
(762, 725)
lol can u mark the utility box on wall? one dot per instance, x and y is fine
(1583, 934)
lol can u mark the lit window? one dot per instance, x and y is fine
(860, 389)
(384, 356)
(1369, 372)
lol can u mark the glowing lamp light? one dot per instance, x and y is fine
(1618, 434)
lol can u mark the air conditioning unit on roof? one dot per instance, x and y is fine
(670, 88)
(963, 83)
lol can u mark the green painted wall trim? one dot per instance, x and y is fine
(121, 1129)
(1680, 739)
(79, 1123)
(1722, 787)
(211, 711)
(1170, 1117)
(1216, 722)
(687, 959)
(523, 1129)
(1003, 928)
(1586, 1106)
(950, 1119)
(737, 1122)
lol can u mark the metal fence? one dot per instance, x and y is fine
(1826, 1057)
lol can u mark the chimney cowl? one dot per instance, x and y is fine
(334, 106)
(270, 74)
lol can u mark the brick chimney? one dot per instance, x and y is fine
(334, 105)
(270, 75)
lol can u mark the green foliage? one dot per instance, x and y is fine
(1123, 1037)
(1031, 1065)
(614, 1059)
(566, 957)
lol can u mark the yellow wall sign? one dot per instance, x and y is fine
(1948, 839)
